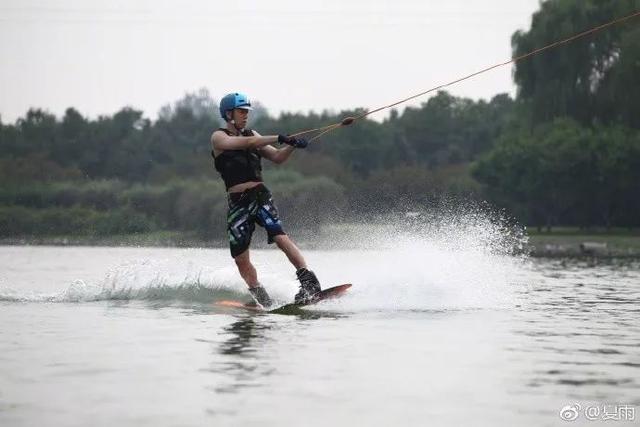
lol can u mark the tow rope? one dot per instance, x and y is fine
(351, 119)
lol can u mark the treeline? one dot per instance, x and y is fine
(565, 151)
(125, 173)
(444, 131)
(574, 160)
(196, 207)
(562, 173)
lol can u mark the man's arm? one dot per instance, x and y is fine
(276, 155)
(221, 141)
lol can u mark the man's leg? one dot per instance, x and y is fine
(248, 273)
(290, 250)
(267, 217)
(246, 269)
(309, 284)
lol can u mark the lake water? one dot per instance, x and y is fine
(432, 333)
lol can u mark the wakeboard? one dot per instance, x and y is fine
(330, 293)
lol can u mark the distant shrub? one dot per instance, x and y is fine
(101, 194)
(121, 221)
(306, 201)
(19, 220)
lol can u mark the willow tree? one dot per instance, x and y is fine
(580, 79)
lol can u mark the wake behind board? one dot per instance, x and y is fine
(330, 293)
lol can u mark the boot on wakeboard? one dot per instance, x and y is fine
(309, 286)
(261, 297)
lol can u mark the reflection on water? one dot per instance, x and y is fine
(241, 357)
(242, 336)
(241, 361)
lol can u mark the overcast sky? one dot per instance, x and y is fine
(291, 55)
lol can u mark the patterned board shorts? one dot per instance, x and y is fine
(245, 210)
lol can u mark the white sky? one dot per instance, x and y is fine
(291, 55)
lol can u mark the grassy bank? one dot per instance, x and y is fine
(150, 239)
(595, 242)
(560, 243)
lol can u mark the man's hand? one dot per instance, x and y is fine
(293, 141)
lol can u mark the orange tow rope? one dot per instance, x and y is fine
(349, 120)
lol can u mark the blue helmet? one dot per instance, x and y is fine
(232, 101)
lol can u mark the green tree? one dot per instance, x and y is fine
(567, 81)
(563, 173)
(619, 94)
(73, 132)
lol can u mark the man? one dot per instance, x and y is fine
(237, 154)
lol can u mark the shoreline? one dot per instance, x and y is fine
(540, 245)
(598, 245)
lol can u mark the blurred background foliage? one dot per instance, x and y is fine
(565, 151)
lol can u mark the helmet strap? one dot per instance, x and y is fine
(233, 122)
(236, 128)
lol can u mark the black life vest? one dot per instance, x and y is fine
(238, 166)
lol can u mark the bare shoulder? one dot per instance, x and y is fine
(217, 134)
(217, 139)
